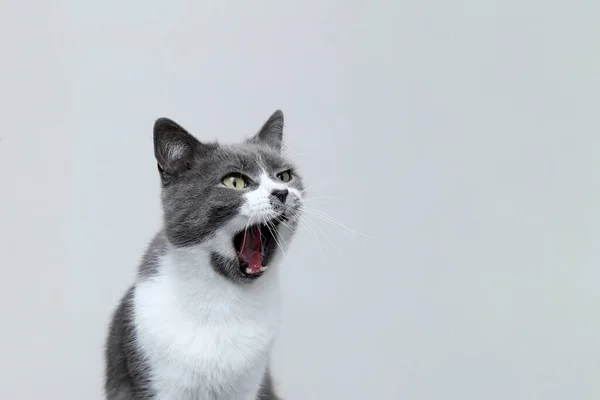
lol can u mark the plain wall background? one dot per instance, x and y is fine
(460, 138)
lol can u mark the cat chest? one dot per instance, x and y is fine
(210, 358)
(212, 350)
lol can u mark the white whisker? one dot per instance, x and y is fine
(268, 225)
(328, 218)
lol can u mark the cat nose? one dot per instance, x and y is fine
(281, 194)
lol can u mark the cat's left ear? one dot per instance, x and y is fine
(271, 132)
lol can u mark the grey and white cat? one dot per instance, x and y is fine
(201, 318)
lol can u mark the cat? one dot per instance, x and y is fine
(200, 321)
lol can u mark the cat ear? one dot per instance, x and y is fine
(174, 148)
(271, 132)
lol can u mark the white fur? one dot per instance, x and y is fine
(258, 203)
(205, 337)
(175, 151)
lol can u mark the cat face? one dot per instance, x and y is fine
(241, 202)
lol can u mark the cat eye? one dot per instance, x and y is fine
(235, 181)
(285, 176)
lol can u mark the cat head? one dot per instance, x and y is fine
(241, 202)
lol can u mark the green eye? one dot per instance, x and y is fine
(285, 176)
(234, 181)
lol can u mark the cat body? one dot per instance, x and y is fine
(200, 321)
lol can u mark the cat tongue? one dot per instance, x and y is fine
(250, 250)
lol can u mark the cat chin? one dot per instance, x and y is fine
(233, 269)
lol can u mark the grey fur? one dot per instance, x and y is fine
(126, 371)
(272, 131)
(194, 206)
(149, 265)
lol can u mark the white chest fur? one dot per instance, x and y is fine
(205, 337)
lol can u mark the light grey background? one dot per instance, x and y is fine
(460, 138)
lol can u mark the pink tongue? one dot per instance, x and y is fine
(250, 250)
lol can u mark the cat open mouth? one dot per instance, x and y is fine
(255, 247)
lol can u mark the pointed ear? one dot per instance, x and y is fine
(272, 131)
(174, 149)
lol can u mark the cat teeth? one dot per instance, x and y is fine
(262, 269)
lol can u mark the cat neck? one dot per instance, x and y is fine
(185, 279)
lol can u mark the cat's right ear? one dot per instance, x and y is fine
(174, 149)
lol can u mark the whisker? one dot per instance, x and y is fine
(328, 218)
(324, 235)
(246, 229)
(311, 230)
(267, 224)
(315, 237)
(278, 234)
(309, 199)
